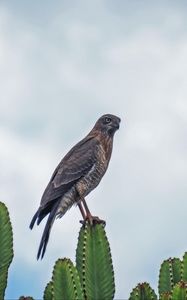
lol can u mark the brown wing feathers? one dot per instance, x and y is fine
(69, 171)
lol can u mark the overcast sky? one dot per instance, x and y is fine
(62, 65)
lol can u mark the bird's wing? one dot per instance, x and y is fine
(77, 163)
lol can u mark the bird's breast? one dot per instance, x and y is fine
(87, 183)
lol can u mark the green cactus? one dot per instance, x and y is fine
(48, 293)
(170, 274)
(179, 291)
(143, 291)
(94, 263)
(172, 282)
(184, 267)
(93, 276)
(6, 248)
(165, 296)
(65, 281)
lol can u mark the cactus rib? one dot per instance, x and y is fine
(66, 281)
(94, 263)
(170, 274)
(143, 291)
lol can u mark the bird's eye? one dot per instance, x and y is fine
(108, 120)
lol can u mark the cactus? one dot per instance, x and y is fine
(179, 291)
(66, 281)
(165, 296)
(184, 267)
(93, 276)
(170, 274)
(172, 282)
(143, 291)
(94, 263)
(48, 292)
(6, 248)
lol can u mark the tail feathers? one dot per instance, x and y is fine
(46, 233)
(41, 216)
(34, 219)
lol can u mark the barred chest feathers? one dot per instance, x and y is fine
(94, 176)
(89, 182)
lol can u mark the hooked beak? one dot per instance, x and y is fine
(116, 125)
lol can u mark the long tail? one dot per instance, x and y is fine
(47, 229)
(39, 216)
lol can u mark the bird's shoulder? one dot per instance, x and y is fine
(85, 148)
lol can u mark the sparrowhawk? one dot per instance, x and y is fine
(78, 173)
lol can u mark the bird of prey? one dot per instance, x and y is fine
(78, 173)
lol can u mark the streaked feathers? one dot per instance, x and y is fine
(78, 173)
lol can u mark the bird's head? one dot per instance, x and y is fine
(108, 124)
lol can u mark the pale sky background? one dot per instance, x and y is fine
(62, 65)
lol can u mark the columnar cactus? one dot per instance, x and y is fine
(184, 267)
(172, 281)
(65, 281)
(165, 296)
(92, 277)
(48, 292)
(172, 278)
(6, 247)
(143, 291)
(170, 274)
(94, 263)
(179, 291)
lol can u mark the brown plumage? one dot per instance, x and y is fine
(78, 173)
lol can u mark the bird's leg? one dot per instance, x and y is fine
(86, 207)
(92, 219)
(82, 210)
